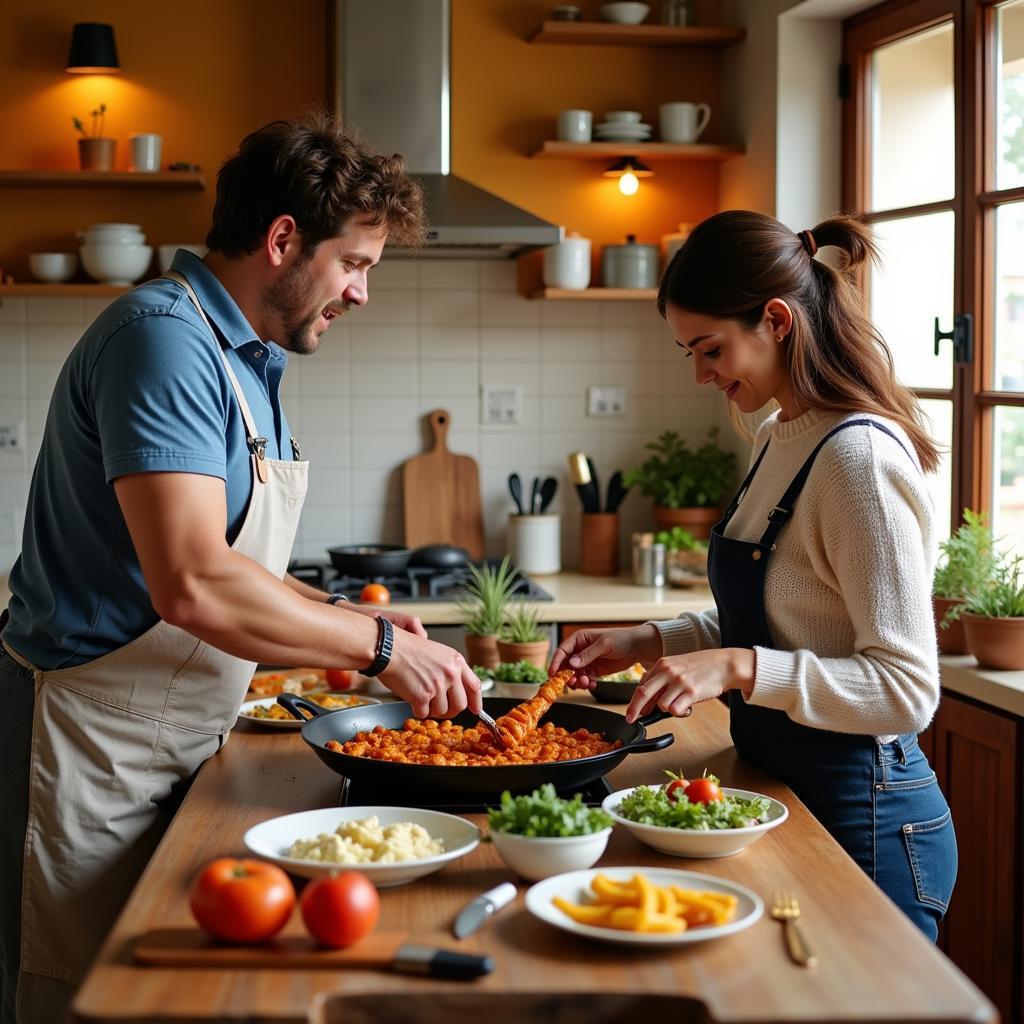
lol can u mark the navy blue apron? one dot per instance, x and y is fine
(767, 737)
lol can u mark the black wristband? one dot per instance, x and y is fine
(336, 599)
(385, 644)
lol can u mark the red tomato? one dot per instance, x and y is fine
(338, 678)
(340, 909)
(241, 900)
(675, 789)
(703, 791)
(375, 593)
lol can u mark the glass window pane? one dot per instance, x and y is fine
(912, 286)
(1008, 478)
(1009, 108)
(1008, 363)
(939, 421)
(912, 120)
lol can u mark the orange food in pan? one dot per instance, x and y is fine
(441, 743)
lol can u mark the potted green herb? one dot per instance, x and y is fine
(993, 617)
(689, 486)
(522, 638)
(519, 679)
(95, 153)
(966, 562)
(686, 557)
(483, 609)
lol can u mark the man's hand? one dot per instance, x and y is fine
(433, 678)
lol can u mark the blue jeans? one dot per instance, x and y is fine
(882, 803)
(17, 697)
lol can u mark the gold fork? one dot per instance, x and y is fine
(786, 908)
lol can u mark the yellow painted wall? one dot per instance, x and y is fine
(204, 72)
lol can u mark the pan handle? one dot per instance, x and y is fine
(292, 702)
(652, 718)
(649, 743)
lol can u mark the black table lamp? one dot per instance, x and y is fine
(93, 50)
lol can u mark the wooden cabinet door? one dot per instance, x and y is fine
(976, 757)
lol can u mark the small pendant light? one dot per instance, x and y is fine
(93, 50)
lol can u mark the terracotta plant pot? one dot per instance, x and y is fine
(482, 650)
(697, 520)
(995, 643)
(599, 543)
(535, 653)
(96, 154)
(951, 639)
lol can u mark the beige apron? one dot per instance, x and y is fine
(112, 739)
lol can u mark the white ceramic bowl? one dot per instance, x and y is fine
(53, 267)
(165, 253)
(111, 234)
(116, 264)
(272, 840)
(623, 116)
(625, 13)
(536, 857)
(691, 842)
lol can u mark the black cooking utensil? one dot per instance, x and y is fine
(616, 492)
(535, 496)
(596, 483)
(343, 724)
(515, 488)
(579, 467)
(547, 492)
(439, 556)
(370, 559)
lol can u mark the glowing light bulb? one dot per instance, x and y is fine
(629, 183)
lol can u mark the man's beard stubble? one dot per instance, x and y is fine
(289, 298)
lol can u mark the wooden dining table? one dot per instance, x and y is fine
(872, 965)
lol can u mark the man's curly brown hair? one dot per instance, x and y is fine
(322, 175)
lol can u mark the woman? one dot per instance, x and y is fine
(822, 637)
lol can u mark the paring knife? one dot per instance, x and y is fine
(476, 912)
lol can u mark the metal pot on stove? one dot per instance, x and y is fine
(373, 560)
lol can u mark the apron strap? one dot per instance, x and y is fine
(779, 516)
(257, 444)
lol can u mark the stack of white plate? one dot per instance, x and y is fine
(622, 126)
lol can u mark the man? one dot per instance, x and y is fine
(160, 521)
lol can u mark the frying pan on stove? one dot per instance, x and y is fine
(343, 724)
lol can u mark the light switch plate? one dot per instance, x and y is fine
(501, 406)
(606, 401)
(12, 437)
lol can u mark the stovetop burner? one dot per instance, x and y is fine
(355, 794)
(411, 584)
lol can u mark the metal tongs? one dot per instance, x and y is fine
(492, 727)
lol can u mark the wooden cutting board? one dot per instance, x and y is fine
(442, 495)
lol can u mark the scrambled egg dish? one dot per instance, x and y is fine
(366, 841)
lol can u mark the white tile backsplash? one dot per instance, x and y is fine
(432, 333)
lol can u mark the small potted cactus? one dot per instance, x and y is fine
(95, 152)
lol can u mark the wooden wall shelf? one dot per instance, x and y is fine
(601, 294)
(82, 290)
(552, 149)
(192, 180)
(604, 33)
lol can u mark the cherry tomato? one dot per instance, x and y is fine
(703, 791)
(375, 593)
(675, 789)
(241, 900)
(340, 909)
(338, 678)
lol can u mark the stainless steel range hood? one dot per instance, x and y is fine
(392, 83)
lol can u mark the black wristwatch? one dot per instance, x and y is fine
(336, 599)
(385, 644)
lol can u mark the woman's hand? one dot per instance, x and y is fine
(676, 683)
(592, 653)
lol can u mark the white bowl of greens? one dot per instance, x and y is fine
(664, 817)
(540, 834)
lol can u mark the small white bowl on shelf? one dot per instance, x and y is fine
(625, 13)
(53, 267)
(114, 263)
(536, 857)
(694, 842)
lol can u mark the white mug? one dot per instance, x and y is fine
(683, 122)
(575, 125)
(145, 152)
(567, 264)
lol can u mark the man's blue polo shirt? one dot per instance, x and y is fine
(145, 390)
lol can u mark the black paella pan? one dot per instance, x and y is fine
(344, 723)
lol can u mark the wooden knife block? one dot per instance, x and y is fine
(599, 544)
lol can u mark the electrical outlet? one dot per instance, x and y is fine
(606, 401)
(501, 406)
(12, 437)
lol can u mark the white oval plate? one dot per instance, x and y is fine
(289, 723)
(575, 887)
(692, 842)
(272, 840)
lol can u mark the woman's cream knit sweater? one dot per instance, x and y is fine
(847, 593)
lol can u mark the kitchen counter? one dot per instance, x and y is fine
(873, 964)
